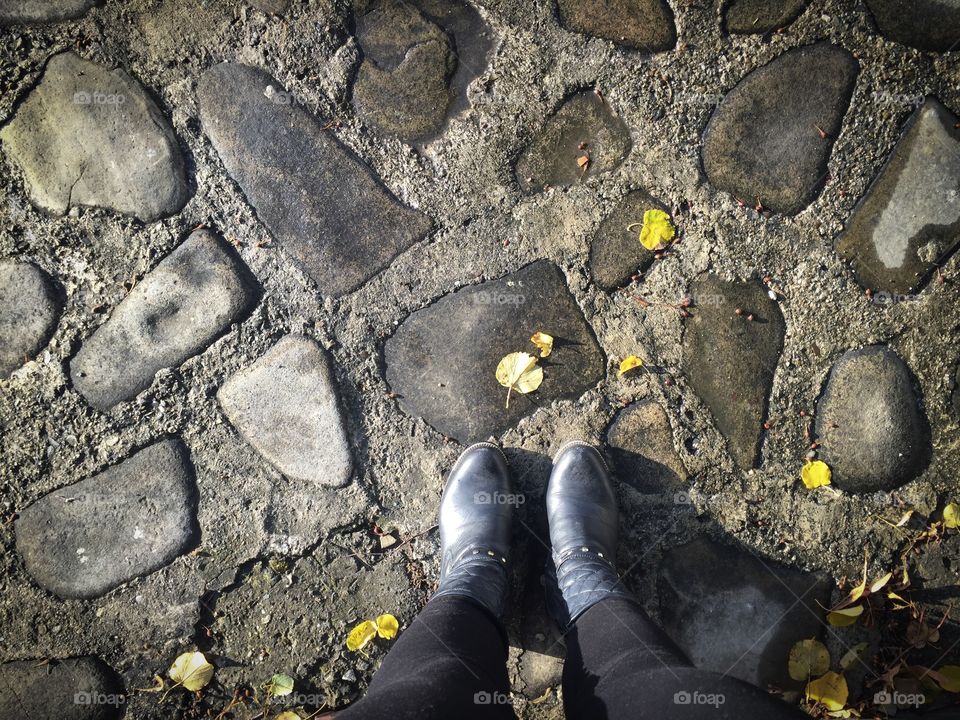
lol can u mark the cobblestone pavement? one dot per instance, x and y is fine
(259, 261)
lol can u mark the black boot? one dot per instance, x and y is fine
(476, 513)
(583, 516)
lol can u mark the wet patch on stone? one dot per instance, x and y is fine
(321, 203)
(30, 307)
(761, 16)
(179, 308)
(909, 220)
(24, 12)
(442, 359)
(763, 139)
(131, 519)
(80, 688)
(742, 621)
(581, 139)
(932, 25)
(730, 360)
(641, 444)
(645, 25)
(286, 406)
(89, 136)
(869, 423)
(615, 252)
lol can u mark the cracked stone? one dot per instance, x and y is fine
(741, 621)
(762, 140)
(17, 12)
(179, 308)
(458, 393)
(761, 16)
(580, 140)
(731, 360)
(286, 406)
(83, 540)
(645, 25)
(324, 206)
(931, 25)
(616, 253)
(909, 220)
(30, 307)
(641, 444)
(872, 431)
(80, 688)
(89, 136)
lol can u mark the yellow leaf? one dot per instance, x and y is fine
(948, 677)
(387, 626)
(287, 715)
(880, 582)
(951, 515)
(829, 690)
(361, 635)
(191, 670)
(629, 363)
(280, 685)
(808, 658)
(847, 616)
(518, 371)
(544, 342)
(656, 229)
(815, 474)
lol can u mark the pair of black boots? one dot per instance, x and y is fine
(476, 520)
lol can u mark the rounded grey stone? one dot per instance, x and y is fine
(932, 25)
(645, 25)
(615, 252)
(641, 444)
(761, 16)
(30, 307)
(25, 12)
(79, 688)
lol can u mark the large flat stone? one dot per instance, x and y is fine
(442, 359)
(29, 309)
(24, 12)
(761, 16)
(641, 443)
(83, 540)
(909, 219)
(91, 136)
(762, 140)
(584, 126)
(743, 620)
(318, 200)
(615, 252)
(645, 25)
(932, 25)
(179, 308)
(871, 429)
(80, 688)
(286, 406)
(730, 360)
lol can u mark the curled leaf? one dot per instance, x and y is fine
(808, 658)
(830, 690)
(844, 617)
(880, 582)
(629, 363)
(361, 635)
(656, 229)
(518, 371)
(387, 626)
(815, 474)
(191, 670)
(543, 342)
(951, 515)
(280, 685)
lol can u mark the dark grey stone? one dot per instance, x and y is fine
(641, 444)
(442, 359)
(80, 688)
(645, 25)
(286, 406)
(734, 613)
(583, 126)
(871, 429)
(730, 360)
(932, 25)
(762, 140)
(91, 136)
(179, 308)
(83, 540)
(760, 16)
(29, 309)
(322, 204)
(615, 252)
(909, 219)
(26, 12)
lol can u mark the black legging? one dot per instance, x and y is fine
(451, 664)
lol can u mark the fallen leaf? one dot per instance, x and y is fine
(518, 371)
(815, 474)
(880, 582)
(361, 635)
(807, 659)
(853, 655)
(948, 677)
(191, 670)
(951, 515)
(656, 229)
(844, 617)
(829, 690)
(387, 626)
(287, 715)
(543, 342)
(583, 161)
(629, 363)
(280, 685)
